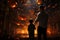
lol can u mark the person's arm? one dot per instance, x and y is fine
(37, 19)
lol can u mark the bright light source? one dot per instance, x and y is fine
(38, 2)
(13, 6)
(22, 31)
(18, 24)
(49, 32)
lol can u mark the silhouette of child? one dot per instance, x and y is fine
(31, 29)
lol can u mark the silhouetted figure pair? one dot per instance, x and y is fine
(42, 28)
(43, 20)
(31, 28)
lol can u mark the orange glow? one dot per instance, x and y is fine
(21, 18)
(18, 24)
(18, 31)
(13, 6)
(48, 31)
(22, 31)
(25, 31)
(39, 2)
(35, 32)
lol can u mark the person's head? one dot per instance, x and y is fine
(31, 21)
(41, 8)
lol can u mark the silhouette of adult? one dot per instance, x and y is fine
(43, 20)
(31, 28)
